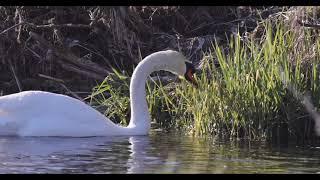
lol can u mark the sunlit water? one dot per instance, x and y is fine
(160, 152)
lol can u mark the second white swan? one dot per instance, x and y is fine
(39, 113)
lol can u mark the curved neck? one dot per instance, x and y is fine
(140, 117)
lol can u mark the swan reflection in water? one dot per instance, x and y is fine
(143, 158)
(77, 155)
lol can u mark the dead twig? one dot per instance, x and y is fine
(69, 25)
(304, 24)
(47, 26)
(51, 78)
(74, 94)
(12, 27)
(61, 82)
(14, 75)
(96, 53)
(80, 71)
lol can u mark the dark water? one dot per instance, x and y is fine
(159, 152)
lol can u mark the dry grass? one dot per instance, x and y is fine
(80, 44)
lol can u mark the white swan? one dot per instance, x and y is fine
(38, 113)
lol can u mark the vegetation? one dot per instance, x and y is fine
(256, 92)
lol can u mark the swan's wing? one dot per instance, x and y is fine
(49, 114)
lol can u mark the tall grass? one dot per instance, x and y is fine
(255, 93)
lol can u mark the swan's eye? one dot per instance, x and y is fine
(190, 70)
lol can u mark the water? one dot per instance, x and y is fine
(160, 152)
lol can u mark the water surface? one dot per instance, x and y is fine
(160, 152)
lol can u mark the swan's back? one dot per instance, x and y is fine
(38, 113)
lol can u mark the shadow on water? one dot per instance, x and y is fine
(157, 153)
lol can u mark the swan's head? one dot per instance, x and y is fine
(190, 70)
(181, 66)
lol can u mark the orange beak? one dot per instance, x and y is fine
(189, 77)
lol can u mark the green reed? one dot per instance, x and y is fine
(248, 95)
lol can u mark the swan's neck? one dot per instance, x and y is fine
(140, 117)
